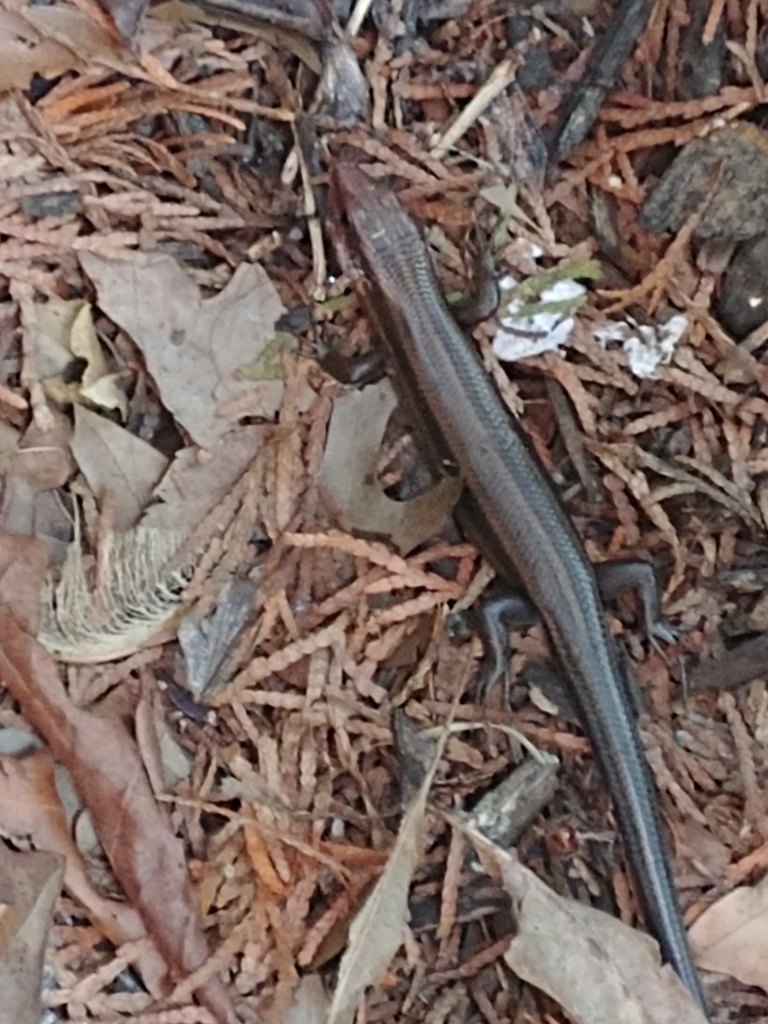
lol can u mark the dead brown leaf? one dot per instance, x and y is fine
(49, 40)
(105, 766)
(66, 333)
(731, 936)
(43, 458)
(30, 806)
(348, 472)
(29, 888)
(598, 969)
(90, 41)
(379, 928)
(310, 1003)
(204, 354)
(196, 481)
(28, 48)
(116, 462)
(42, 462)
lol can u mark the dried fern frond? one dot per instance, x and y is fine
(132, 604)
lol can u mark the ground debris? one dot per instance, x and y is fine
(164, 292)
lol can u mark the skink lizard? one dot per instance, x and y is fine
(514, 513)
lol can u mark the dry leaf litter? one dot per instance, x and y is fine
(219, 806)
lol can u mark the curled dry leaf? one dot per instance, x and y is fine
(29, 888)
(598, 969)
(348, 472)
(102, 758)
(65, 333)
(204, 354)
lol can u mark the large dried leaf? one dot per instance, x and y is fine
(148, 860)
(379, 929)
(29, 888)
(203, 353)
(598, 969)
(731, 936)
(116, 462)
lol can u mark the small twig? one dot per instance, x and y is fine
(501, 76)
(358, 16)
(713, 20)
